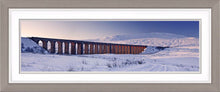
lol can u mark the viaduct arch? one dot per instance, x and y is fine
(85, 47)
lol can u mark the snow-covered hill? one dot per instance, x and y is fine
(139, 36)
(152, 39)
(28, 45)
(176, 42)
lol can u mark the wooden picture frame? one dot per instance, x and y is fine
(214, 86)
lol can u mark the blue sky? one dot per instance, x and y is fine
(80, 30)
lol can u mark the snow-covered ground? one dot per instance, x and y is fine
(182, 56)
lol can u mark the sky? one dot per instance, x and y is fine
(83, 30)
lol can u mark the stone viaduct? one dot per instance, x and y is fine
(62, 46)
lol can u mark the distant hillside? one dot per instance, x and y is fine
(151, 39)
(139, 36)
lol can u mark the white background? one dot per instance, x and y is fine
(161, 14)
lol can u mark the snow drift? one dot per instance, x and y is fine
(139, 36)
(153, 49)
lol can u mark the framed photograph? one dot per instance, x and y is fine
(110, 46)
(122, 42)
(89, 47)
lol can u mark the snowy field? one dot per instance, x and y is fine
(183, 56)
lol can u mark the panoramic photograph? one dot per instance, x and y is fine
(109, 46)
